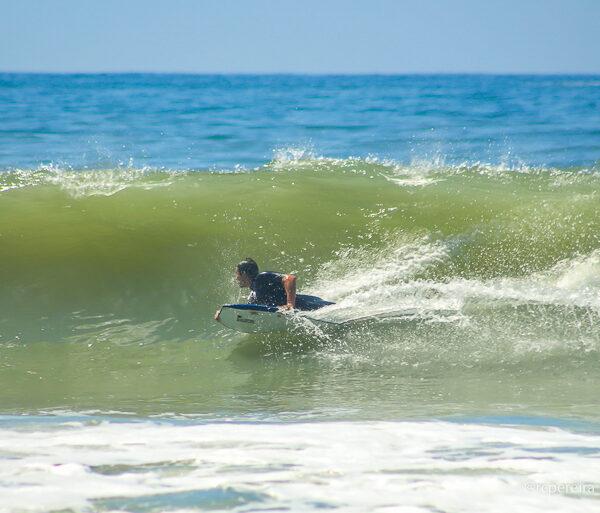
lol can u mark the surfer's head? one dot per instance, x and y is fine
(245, 272)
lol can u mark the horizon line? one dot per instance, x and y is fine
(306, 73)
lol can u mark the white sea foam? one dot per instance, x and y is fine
(580, 274)
(558, 308)
(351, 466)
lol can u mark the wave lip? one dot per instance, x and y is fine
(80, 183)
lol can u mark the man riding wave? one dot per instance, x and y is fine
(273, 289)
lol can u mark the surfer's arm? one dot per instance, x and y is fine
(289, 284)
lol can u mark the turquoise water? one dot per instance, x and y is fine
(464, 209)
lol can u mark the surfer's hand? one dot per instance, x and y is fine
(217, 315)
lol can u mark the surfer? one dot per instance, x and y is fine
(268, 288)
(273, 289)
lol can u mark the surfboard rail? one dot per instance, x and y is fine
(249, 318)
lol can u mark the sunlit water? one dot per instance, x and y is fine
(454, 220)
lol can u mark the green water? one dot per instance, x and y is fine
(111, 279)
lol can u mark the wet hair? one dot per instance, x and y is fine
(248, 267)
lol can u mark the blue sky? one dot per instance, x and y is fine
(307, 36)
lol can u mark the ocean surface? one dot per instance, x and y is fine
(459, 215)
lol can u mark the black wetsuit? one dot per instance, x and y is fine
(267, 289)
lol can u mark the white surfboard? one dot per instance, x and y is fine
(264, 319)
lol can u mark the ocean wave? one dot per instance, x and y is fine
(458, 245)
(144, 466)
